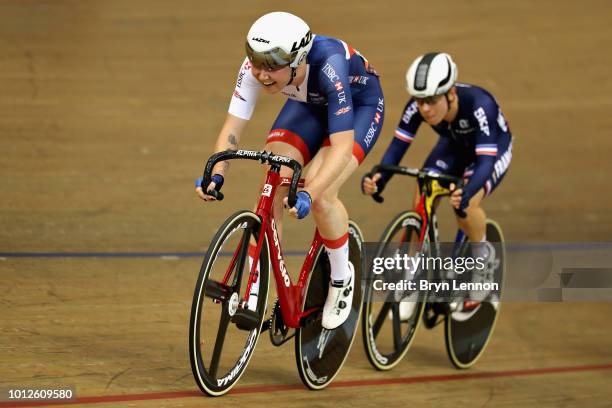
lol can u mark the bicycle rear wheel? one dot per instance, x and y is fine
(321, 353)
(386, 336)
(222, 332)
(467, 333)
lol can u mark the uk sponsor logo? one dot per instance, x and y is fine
(342, 111)
(330, 72)
(341, 97)
(338, 86)
(375, 122)
(237, 95)
(371, 132)
(409, 112)
(481, 116)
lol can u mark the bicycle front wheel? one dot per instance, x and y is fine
(388, 327)
(223, 331)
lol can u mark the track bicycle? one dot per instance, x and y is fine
(223, 330)
(468, 324)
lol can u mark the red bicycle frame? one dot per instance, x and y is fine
(291, 296)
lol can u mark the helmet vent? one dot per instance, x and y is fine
(448, 75)
(420, 81)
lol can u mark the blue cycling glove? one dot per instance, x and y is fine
(216, 178)
(302, 204)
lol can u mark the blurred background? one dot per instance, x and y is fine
(110, 110)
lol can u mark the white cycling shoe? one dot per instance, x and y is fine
(484, 275)
(338, 303)
(406, 309)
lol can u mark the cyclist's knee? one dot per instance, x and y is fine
(325, 203)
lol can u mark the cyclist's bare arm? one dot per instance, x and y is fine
(228, 138)
(338, 157)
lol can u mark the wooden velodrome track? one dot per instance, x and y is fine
(109, 110)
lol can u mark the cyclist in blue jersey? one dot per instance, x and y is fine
(332, 118)
(474, 140)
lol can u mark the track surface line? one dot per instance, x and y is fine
(258, 389)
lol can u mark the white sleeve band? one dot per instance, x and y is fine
(245, 93)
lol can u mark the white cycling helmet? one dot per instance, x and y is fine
(277, 40)
(431, 74)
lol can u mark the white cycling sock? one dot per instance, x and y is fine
(480, 249)
(337, 252)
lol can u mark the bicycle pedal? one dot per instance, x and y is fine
(246, 319)
(217, 291)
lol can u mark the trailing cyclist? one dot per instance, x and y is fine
(474, 142)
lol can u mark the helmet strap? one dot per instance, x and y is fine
(293, 74)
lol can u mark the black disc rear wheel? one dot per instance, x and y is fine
(467, 333)
(321, 353)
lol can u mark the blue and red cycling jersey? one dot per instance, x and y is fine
(476, 144)
(340, 92)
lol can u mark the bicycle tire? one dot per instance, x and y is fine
(467, 337)
(225, 298)
(320, 353)
(383, 349)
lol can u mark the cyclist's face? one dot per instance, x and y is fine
(433, 109)
(272, 80)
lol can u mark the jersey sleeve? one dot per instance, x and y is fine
(334, 81)
(487, 140)
(403, 136)
(245, 93)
